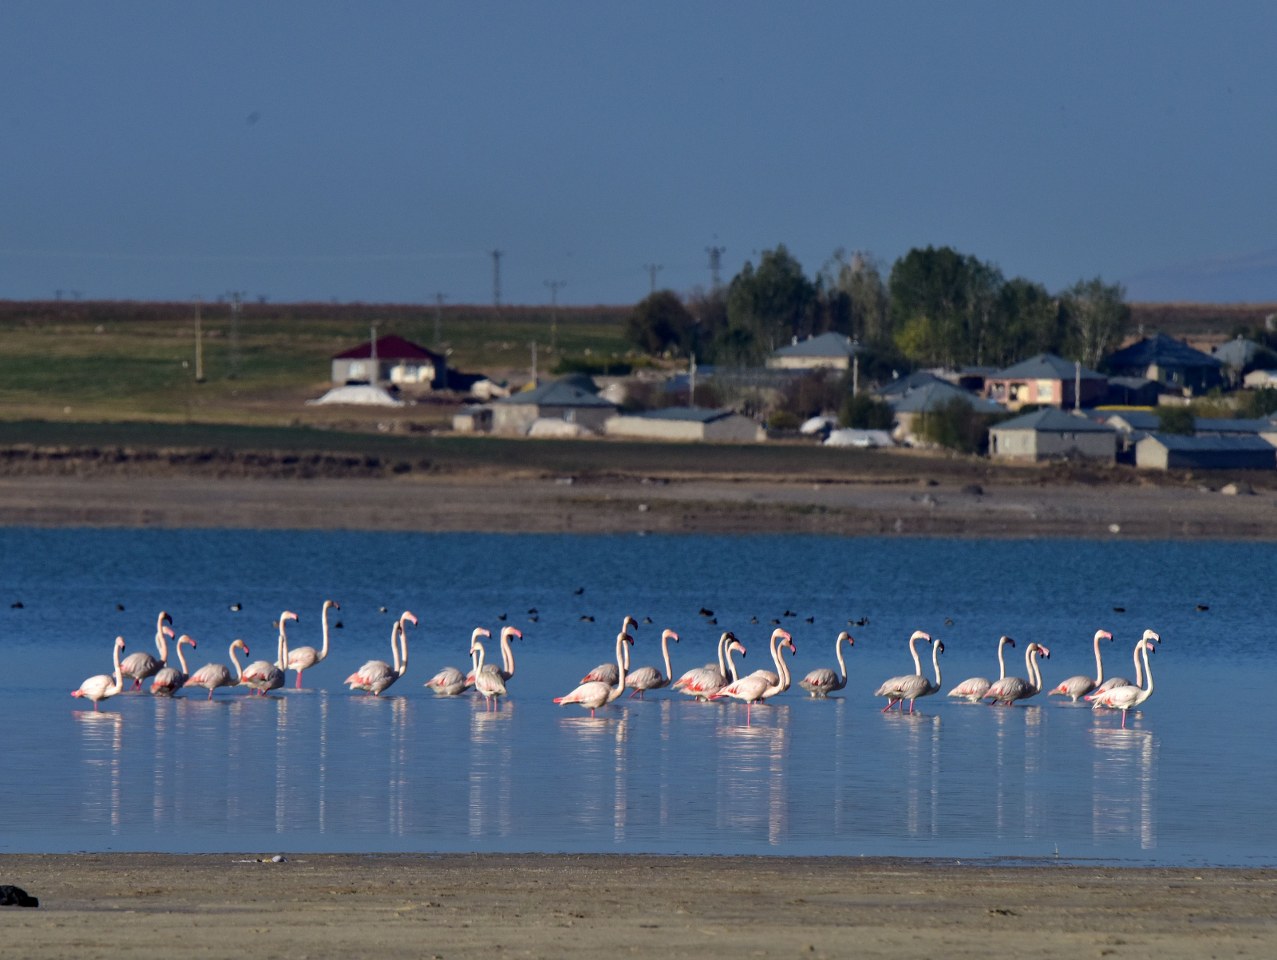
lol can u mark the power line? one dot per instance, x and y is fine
(715, 266)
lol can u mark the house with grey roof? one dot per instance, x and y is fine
(1241, 356)
(702, 424)
(912, 406)
(1046, 380)
(1168, 361)
(827, 351)
(1051, 434)
(1168, 451)
(557, 400)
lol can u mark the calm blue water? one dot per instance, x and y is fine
(1189, 781)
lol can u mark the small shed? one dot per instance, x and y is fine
(687, 423)
(1167, 451)
(389, 359)
(1050, 434)
(556, 400)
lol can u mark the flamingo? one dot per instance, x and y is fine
(596, 693)
(1107, 685)
(214, 675)
(104, 685)
(376, 675)
(608, 672)
(141, 665)
(890, 685)
(1123, 698)
(1076, 687)
(487, 681)
(1009, 689)
(772, 676)
(170, 679)
(651, 678)
(919, 685)
(822, 681)
(450, 681)
(264, 676)
(756, 687)
(975, 688)
(507, 655)
(700, 682)
(303, 658)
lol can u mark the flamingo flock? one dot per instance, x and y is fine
(715, 681)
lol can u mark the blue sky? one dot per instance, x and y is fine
(378, 151)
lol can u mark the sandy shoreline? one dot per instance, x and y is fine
(625, 505)
(148, 905)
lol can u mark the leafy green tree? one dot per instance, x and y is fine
(660, 323)
(955, 425)
(943, 304)
(1257, 403)
(1177, 420)
(855, 297)
(1029, 322)
(1096, 318)
(864, 411)
(768, 306)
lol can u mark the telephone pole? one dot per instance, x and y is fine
(199, 343)
(496, 276)
(237, 300)
(554, 286)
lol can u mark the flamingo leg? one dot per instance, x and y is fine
(299, 679)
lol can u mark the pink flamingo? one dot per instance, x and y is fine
(1009, 689)
(103, 685)
(303, 658)
(262, 675)
(487, 681)
(1107, 685)
(757, 686)
(595, 693)
(651, 678)
(376, 675)
(1077, 687)
(1124, 698)
(772, 676)
(169, 680)
(711, 675)
(891, 684)
(449, 682)
(911, 688)
(138, 666)
(608, 672)
(822, 681)
(214, 675)
(507, 655)
(975, 688)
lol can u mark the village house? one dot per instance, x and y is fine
(390, 359)
(1046, 380)
(1167, 451)
(1169, 362)
(828, 351)
(912, 406)
(566, 400)
(687, 423)
(1051, 434)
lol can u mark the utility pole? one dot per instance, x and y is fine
(199, 343)
(715, 266)
(691, 382)
(372, 356)
(496, 276)
(237, 300)
(439, 299)
(554, 286)
(652, 270)
(534, 362)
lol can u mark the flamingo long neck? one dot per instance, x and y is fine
(1139, 669)
(181, 657)
(842, 664)
(665, 651)
(323, 651)
(161, 643)
(507, 653)
(476, 651)
(1035, 675)
(782, 671)
(621, 667)
(401, 652)
(913, 650)
(239, 671)
(935, 662)
(1099, 662)
(281, 647)
(1148, 672)
(731, 664)
(1002, 664)
(722, 647)
(119, 677)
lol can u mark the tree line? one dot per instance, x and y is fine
(935, 307)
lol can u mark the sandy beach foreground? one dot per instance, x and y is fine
(321, 905)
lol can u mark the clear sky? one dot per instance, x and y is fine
(379, 151)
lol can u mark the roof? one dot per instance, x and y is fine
(557, 393)
(1046, 366)
(1237, 353)
(901, 385)
(1231, 425)
(933, 396)
(829, 344)
(1162, 351)
(389, 348)
(1179, 442)
(1135, 419)
(690, 414)
(1054, 420)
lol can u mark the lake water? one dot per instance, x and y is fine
(1189, 781)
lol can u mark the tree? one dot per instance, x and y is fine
(855, 297)
(661, 323)
(942, 305)
(1096, 317)
(955, 425)
(1030, 322)
(864, 411)
(1176, 420)
(770, 305)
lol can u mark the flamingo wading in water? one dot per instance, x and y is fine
(1077, 687)
(262, 675)
(974, 688)
(822, 681)
(595, 693)
(487, 681)
(889, 686)
(376, 675)
(170, 679)
(214, 675)
(651, 678)
(758, 686)
(1107, 685)
(1009, 689)
(449, 682)
(608, 672)
(700, 682)
(911, 688)
(103, 685)
(1124, 698)
(303, 658)
(138, 666)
